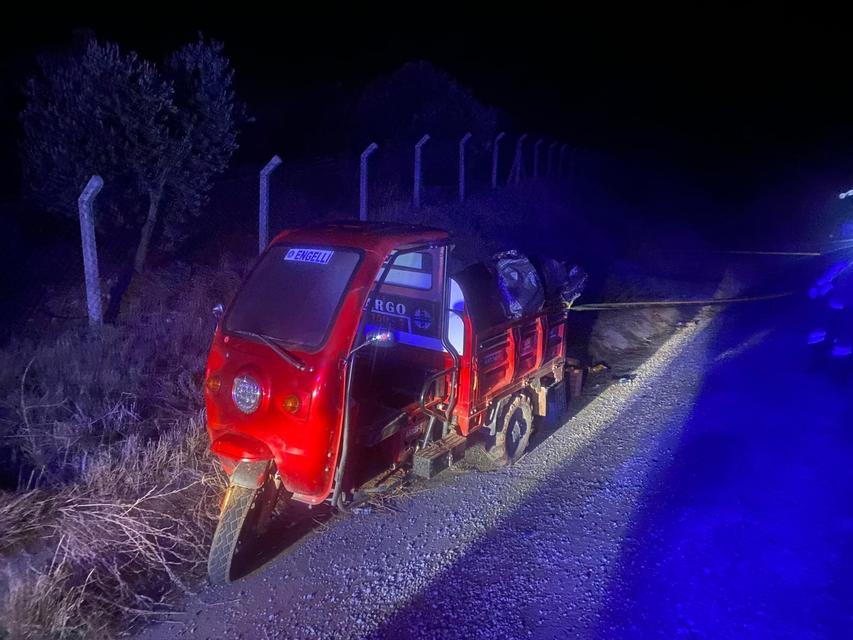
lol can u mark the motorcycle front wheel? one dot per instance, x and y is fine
(243, 518)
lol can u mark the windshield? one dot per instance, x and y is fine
(293, 294)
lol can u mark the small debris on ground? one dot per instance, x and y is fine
(599, 367)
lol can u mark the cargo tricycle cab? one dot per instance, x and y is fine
(299, 394)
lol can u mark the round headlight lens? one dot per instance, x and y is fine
(246, 393)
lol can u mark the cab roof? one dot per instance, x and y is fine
(369, 236)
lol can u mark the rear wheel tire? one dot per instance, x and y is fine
(244, 517)
(515, 425)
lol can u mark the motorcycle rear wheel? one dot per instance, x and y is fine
(515, 425)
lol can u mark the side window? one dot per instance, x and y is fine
(411, 270)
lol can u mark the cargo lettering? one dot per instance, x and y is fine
(389, 306)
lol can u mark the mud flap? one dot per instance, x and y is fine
(250, 474)
(557, 403)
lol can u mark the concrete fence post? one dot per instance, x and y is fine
(572, 153)
(90, 251)
(462, 144)
(515, 173)
(362, 182)
(536, 148)
(264, 203)
(416, 192)
(551, 149)
(561, 162)
(495, 157)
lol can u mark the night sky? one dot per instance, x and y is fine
(728, 97)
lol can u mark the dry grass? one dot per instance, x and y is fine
(23, 517)
(125, 538)
(116, 495)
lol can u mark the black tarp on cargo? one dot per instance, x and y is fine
(519, 284)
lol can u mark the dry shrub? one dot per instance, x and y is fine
(23, 518)
(43, 603)
(117, 495)
(127, 536)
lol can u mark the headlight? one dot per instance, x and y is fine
(246, 393)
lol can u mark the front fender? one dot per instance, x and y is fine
(244, 458)
(250, 474)
(238, 446)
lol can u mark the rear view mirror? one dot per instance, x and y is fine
(380, 338)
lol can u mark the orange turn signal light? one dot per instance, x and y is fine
(291, 403)
(213, 383)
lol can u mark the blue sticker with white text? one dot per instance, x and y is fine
(315, 256)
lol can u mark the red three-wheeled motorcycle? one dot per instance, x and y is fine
(349, 351)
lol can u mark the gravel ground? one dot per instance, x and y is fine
(527, 551)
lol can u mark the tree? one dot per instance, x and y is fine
(418, 98)
(157, 136)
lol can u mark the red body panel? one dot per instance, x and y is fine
(502, 359)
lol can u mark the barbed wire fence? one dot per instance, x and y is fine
(387, 185)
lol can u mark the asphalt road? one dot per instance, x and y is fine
(711, 496)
